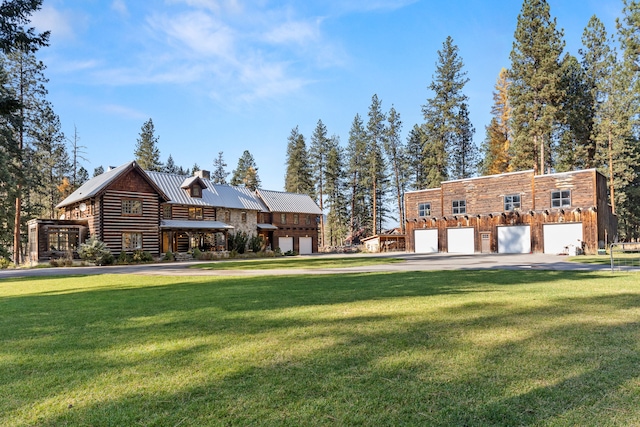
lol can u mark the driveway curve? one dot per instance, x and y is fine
(412, 262)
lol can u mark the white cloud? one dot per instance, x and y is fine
(294, 32)
(123, 111)
(120, 7)
(51, 19)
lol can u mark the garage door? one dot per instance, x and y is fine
(305, 246)
(460, 240)
(515, 239)
(285, 244)
(426, 241)
(558, 237)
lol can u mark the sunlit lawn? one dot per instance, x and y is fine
(452, 348)
(296, 263)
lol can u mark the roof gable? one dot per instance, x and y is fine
(279, 201)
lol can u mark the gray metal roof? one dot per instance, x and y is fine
(92, 187)
(279, 201)
(200, 225)
(223, 196)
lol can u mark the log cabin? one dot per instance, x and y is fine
(131, 209)
(517, 212)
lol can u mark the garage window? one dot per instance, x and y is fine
(424, 209)
(512, 202)
(459, 206)
(560, 198)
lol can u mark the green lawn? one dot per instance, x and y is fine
(474, 348)
(296, 263)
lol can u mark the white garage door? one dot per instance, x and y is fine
(426, 241)
(514, 239)
(558, 237)
(285, 244)
(460, 240)
(305, 246)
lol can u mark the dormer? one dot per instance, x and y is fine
(194, 186)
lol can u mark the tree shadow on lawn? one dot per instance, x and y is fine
(391, 368)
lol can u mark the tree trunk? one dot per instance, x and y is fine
(613, 203)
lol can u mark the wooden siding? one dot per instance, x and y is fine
(484, 198)
(302, 229)
(181, 212)
(115, 223)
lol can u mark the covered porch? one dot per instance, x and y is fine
(184, 236)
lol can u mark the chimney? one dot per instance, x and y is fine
(202, 174)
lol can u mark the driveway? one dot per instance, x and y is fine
(413, 262)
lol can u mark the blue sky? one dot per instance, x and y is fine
(235, 75)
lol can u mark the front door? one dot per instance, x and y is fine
(486, 242)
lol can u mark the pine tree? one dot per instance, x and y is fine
(360, 218)
(377, 178)
(498, 134)
(318, 156)
(298, 175)
(464, 153)
(170, 166)
(98, 171)
(442, 125)
(147, 154)
(535, 90)
(220, 173)
(335, 175)
(575, 119)
(416, 178)
(246, 173)
(396, 156)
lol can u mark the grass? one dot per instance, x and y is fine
(474, 348)
(631, 259)
(296, 263)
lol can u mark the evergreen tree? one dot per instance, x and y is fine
(170, 166)
(318, 155)
(219, 170)
(246, 173)
(574, 129)
(335, 175)
(98, 171)
(442, 125)
(82, 176)
(416, 177)
(195, 168)
(397, 160)
(535, 90)
(147, 153)
(464, 153)
(50, 159)
(360, 218)
(377, 178)
(298, 175)
(498, 133)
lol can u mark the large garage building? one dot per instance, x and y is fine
(517, 212)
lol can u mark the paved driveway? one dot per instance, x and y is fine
(413, 262)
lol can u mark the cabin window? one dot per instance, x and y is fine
(195, 213)
(283, 218)
(307, 220)
(424, 209)
(167, 212)
(63, 239)
(560, 198)
(459, 206)
(131, 241)
(131, 207)
(512, 202)
(196, 191)
(243, 217)
(296, 219)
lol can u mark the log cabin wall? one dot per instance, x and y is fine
(307, 227)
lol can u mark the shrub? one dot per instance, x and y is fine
(238, 242)
(197, 253)
(290, 253)
(96, 251)
(141, 256)
(255, 243)
(169, 256)
(5, 262)
(123, 258)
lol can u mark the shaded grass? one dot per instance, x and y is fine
(296, 263)
(418, 348)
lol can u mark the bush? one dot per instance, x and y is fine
(255, 243)
(141, 256)
(197, 253)
(96, 251)
(123, 258)
(290, 253)
(169, 256)
(238, 242)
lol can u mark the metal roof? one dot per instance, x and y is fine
(279, 201)
(221, 196)
(200, 225)
(267, 226)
